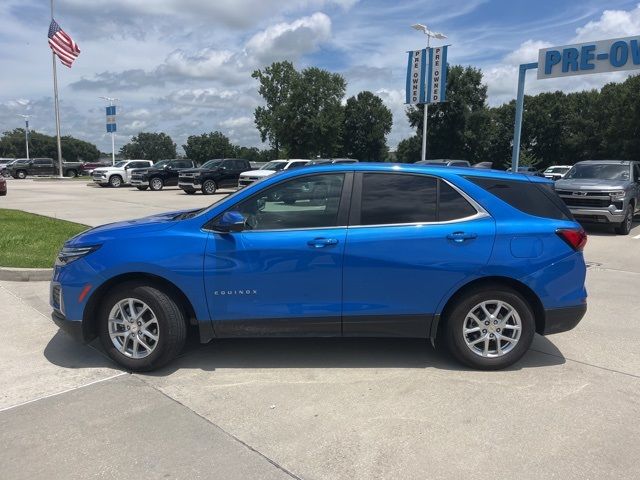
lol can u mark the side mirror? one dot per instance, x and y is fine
(231, 222)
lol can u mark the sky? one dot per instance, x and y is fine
(184, 66)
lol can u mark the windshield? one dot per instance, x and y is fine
(161, 163)
(601, 171)
(212, 164)
(557, 169)
(120, 164)
(275, 166)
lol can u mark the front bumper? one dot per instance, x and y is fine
(559, 320)
(598, 215)
(192, 185)
(73, 329)
(136, 182)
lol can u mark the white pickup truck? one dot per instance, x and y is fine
(247, 178)
(119, 174)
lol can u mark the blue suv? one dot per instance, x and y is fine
(477, 260)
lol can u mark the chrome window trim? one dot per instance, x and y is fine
(480, 213)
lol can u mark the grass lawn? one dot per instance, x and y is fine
(32, 241)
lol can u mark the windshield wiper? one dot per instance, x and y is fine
(187, 215)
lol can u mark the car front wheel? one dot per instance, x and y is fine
(115, 181)
(156, 184)
(489, 328)
(142, 189)
(21, 174)
(209, 187)
(624, 228)
(141, 327)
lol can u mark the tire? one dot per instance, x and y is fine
(21, 174)
(115, 181)
(624, 228)
(156, 184)
(486, 339)
(142, 189)
(209, 187)
(169, 327)
(189, 192)
(103, 185)
(71, 174)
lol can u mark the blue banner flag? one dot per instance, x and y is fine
(427, 76)
(111, 119)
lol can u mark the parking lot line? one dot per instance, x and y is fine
(10, 407)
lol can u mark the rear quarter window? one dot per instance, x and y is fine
(532, 198)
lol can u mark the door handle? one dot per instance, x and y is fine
(322, 242)
(460, 237)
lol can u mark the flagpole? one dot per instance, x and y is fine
(425, 112)
(57, 107)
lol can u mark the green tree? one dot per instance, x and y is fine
(12, 144)
(201, 148)
(276, 86)
(149, 146)
(303, 113)
(367, 122)
(455, 128)
(409, 149)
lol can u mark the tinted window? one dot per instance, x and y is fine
(307, 202)
(394, 198)
(602, 171)
(452, 205)
(538, 199)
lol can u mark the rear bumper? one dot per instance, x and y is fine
(73, 329)
(563, 319)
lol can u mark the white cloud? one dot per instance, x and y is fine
(290, 40)
(612, 24)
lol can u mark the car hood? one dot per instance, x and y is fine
(257, 173)
(108, 169)
(591, 184)
(120, 230)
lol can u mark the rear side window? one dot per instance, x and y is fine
(452, 205)
(537, 199)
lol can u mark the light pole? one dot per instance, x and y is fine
(424, 29)
(112, 101)
(26, 131)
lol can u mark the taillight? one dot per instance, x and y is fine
(576, 238)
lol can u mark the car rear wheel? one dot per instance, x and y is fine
(625, 227)
(156, 184)
(143, 188)
(489, 328)
(209, 187)
(71, 174)
(115, 181)
(141, 327)
(21, 174)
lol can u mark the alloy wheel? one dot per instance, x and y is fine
(492, 328)
(156, 184)
(133, 328)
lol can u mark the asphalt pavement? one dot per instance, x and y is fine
(316, 409)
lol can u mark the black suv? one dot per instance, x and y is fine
(214, 174)
(162, 174)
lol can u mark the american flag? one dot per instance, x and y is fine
(62, 44)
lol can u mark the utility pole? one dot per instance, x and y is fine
(26, 131)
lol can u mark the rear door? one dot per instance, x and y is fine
(411, 240)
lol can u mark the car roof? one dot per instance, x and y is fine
(414, 168)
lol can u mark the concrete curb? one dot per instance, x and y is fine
(25, 274)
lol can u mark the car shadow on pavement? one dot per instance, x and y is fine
(295, 353)
(65, 352)
(337, 353)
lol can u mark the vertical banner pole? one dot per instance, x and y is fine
(26, 137)
(113, 148)
(515, 154)
(424, 131)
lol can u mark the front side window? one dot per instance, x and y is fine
(306, 202)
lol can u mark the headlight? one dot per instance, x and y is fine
(617, 195)
(70, 254)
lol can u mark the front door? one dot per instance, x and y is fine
(411, 239)
(282, 275)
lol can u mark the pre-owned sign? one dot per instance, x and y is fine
(593, 57)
